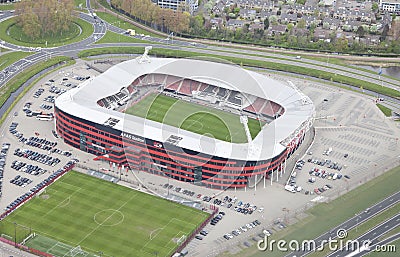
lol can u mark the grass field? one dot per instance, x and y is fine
(100, 216)
(7, 33)
(387, 111)
(194, 117)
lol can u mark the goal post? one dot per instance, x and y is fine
(76, 251)
(181, 240)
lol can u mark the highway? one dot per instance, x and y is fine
(100, 28)
(371, 236)
(353, 222)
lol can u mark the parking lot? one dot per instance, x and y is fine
(32, 151)
(359, 139)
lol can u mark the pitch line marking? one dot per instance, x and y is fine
(114, 211)
(93, 230)
(61, 204)
(155, 230)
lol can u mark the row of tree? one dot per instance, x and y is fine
(148, 12)
(40, 18)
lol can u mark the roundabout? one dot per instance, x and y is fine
(12, 33)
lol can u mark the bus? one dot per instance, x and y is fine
(44, 117)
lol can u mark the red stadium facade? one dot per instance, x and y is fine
(130, 151)
(87, 120)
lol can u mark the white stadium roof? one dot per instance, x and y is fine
(82, 102)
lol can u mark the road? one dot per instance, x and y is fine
(100, 28)
(353, 222)
(371, 236)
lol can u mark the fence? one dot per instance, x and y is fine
(8, 212)
(193, 234)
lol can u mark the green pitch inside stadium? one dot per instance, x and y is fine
(195, 118)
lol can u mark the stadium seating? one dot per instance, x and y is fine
(186, 87)
(173, 86)
(235, 98)
(202, 86)
(222, 92)
(257, 106)
(209, 90)
(171, 79)
(159, 78)
(271, 109)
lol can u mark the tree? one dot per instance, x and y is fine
(266, 23)
(301, 24)
(373, 29)
(273, 19)
(289, 27)
(375, 7)
(360, 31)
(384, 33)
(44, 17)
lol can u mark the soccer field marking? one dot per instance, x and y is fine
(70, 185)
(159, 230)
(174, 243)
(62, 203)
(195, 121)
(99, 225)
(60, 245)
(66, 202)
(114, 211)
(155, 230)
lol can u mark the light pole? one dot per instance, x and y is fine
(15, 234)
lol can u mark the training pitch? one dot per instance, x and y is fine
(100, 217)
(195, 118)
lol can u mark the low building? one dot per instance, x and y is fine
(189, 5)
(389, 5)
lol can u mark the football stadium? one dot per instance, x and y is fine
(212, 124)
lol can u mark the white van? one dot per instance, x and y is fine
(290, 188)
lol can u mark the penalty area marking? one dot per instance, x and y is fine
(155, 230)
(62, 204)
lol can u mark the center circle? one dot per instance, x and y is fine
(109, 217)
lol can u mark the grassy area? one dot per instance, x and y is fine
(78, 2)
(100, 216)
(22, 77)
(11, 57)
(17, 34)
(325, 216)
(250, 62)
(87, 30)
(120, 23)
(112, 37)
(195, 118)
(362, 228)
(6, 7)
(387, 111)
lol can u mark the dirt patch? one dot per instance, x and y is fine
(45, 197)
